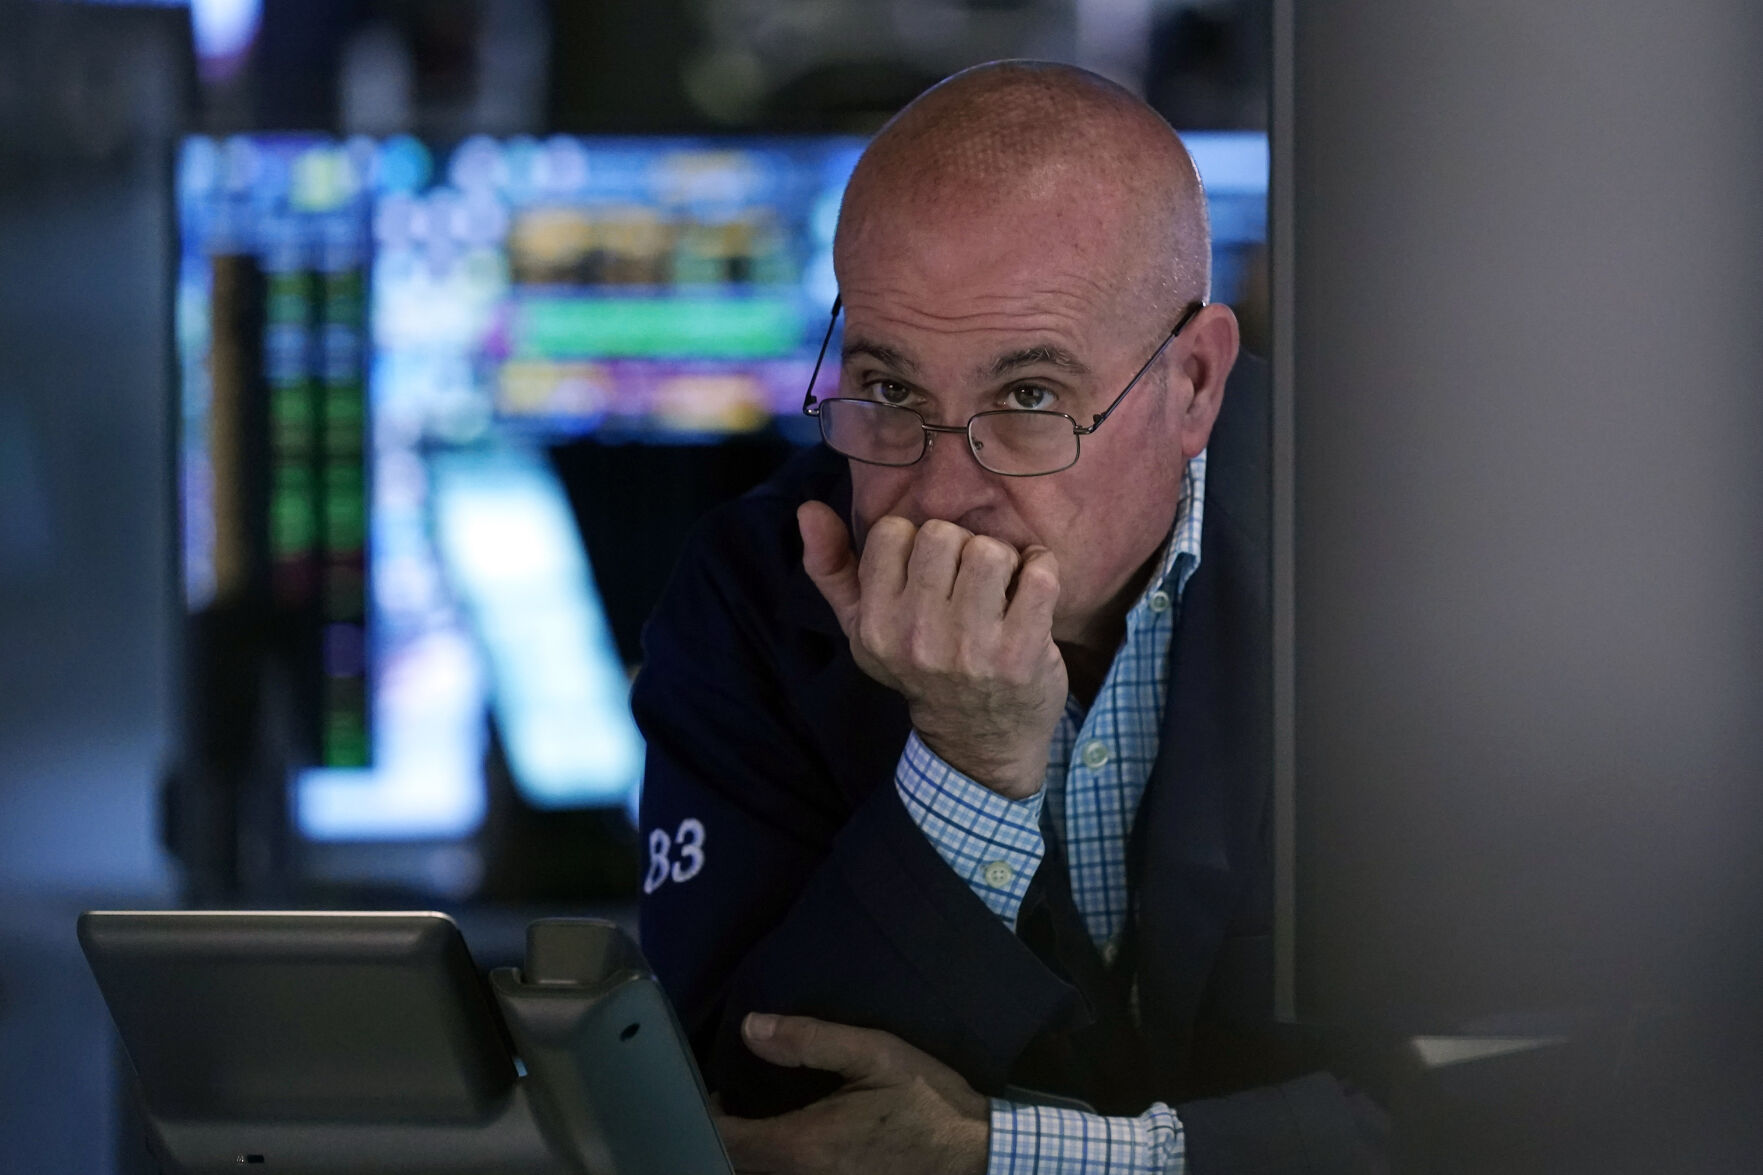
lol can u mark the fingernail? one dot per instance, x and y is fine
(760, 1025)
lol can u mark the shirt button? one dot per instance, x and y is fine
(998, 874)
(1159, 601)
(1095, 753)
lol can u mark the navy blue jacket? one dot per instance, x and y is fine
(786, 876)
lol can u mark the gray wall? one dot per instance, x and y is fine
(1519, 248)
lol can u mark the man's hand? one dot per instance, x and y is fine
(900, 1110)
(960, 625)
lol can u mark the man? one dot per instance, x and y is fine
(957, 794)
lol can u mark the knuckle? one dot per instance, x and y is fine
(940, 531)
(874, 633)
(891, 527)
(897, 1056)
(1039, 577)
(880, 1065)
(989, 551)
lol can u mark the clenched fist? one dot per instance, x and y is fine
(961, 625)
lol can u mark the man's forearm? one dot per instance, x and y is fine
(885, 935)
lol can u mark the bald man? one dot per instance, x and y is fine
(956, 803)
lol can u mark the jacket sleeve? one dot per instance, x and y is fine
(1313, 1124)
(774, 885)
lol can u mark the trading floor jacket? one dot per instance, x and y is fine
(785, 875)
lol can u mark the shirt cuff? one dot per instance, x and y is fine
(991, 842)
(1047, 1140)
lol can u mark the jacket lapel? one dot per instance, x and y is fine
(1200, 853)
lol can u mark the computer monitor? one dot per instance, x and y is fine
(432, 323)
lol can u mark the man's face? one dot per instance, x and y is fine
(956, 315)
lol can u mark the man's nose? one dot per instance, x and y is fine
(951, 483)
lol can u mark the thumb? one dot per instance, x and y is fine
(801, 1042)
(828, 559)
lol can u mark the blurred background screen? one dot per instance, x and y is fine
(432, 326)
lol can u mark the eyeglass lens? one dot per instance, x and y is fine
(878, 433)
(1008, 442)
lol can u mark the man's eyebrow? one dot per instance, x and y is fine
(1049, 354)
(880, 352)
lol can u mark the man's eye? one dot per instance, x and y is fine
(887, 391)
(1030, 396)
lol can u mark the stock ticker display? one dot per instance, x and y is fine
(396, 334)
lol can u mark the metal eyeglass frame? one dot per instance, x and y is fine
(811, 406)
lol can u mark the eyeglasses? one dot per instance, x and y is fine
(1013, 442)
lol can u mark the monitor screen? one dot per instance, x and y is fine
(427, 329)
(510, 295)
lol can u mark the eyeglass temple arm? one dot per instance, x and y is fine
(808, 400)
(1187, 317)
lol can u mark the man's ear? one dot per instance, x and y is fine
(1212, 342)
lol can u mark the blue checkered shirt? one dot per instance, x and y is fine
(1097, 767)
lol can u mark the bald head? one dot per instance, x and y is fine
(1036, 143)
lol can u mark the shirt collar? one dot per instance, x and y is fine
(1181, 554)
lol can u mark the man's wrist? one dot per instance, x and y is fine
(1016, 772)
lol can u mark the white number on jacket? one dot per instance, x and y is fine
(687, 842)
